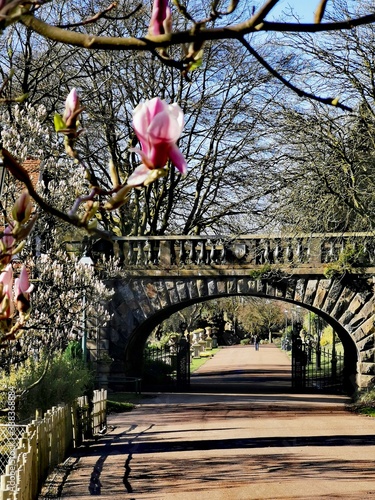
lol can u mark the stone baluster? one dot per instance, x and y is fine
(172, 251)
(266, 253)
(277, 253)
(158, 252)
(259, 252)
(147, 249)
(141, 258)
(166, 254)
(202, 252)
(299, 251)
(131, 253)
(331, 251)
(308, 251)
(192, 253)
(223, 253)
(211, 255)
(182, 254)
(289, 252)
(154, 252)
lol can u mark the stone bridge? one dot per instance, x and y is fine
(329, 274)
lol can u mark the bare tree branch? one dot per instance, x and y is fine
(301, 93)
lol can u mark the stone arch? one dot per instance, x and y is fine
(139, 304)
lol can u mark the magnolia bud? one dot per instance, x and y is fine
(113, 174)
(119, 198)
(22, 208)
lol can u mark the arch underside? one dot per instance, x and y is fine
(140, 304)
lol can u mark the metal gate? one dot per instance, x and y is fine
(167, 367)
(183, 365)
(315, 368)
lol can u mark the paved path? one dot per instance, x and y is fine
(243, 369)
(230, 447)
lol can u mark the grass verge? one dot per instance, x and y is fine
(119, 402)
(198, 362)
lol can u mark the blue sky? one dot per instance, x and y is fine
(304, 8)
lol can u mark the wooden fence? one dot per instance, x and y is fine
(47, 442)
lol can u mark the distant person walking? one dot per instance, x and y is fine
(256, 342)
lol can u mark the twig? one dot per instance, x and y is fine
(90, 20)
(301, 93)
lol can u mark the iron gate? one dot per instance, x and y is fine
(315, 368)
(168, 367)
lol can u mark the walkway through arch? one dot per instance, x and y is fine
(241, 369)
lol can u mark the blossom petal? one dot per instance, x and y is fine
(164, 128)
(22, 285)
(139, 175)
(178, 159)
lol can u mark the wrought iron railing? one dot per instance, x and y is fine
(317, 368)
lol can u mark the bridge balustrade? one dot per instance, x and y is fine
(244, 251)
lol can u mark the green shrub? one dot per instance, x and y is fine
(245, 341)
(65, 379)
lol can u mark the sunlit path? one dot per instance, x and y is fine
(243, 369)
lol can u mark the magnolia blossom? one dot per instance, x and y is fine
(22, 290)
(158, 126)
(161, 18)
(6, 286)
(7, 244)
(72, 109)
(22, 208)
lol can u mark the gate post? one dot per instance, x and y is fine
(299, 360)
(183, 364)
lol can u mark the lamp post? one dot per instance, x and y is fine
(86, 261)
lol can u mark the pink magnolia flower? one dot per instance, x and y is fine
(7, 243)
(158, 126)
(22, 286)
(161, 18)
(22, 290)
(72, 109)
(6, 285)
(8, 239)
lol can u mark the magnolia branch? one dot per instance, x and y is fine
(236, 31)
